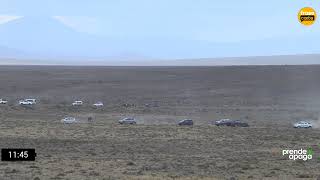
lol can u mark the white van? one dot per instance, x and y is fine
(2, 101)
(302, 124)
(77, 103)
(98, 104)
(68, 120)
(27, 102)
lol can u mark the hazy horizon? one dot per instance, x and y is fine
(141, 31)
(304, 59)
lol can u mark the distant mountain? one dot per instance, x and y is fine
(302, 59)
(307, 59)
(47, 38)
(10, 52)
(188, 49)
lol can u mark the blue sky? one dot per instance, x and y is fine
(205, 21)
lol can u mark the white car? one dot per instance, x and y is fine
(222, 121)
(98, 104)
(68, 120)
(302, 124)
(128, 120)
(77, 103)
(27, 102)
(3, 101)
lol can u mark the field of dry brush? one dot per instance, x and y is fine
(269, 98)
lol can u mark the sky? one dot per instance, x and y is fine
(186, 21)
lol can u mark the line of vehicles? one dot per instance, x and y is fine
(130, 120)
(26, 102)
(184, 122)
(221, 122)
(80, 103)
(189, 122)
(21, 102)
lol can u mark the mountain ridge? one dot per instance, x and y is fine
(47, 38)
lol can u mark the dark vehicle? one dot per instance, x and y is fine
(232, 123)
(186, 122)
(127, 121)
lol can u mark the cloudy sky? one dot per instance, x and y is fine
(205, 21)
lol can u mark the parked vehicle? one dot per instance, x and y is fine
(3, 101)
(186, 122)
(77, 103)
(68, 120)
(98, 104)
(128, 120)
(302, 124)
(27, 102)
(232, 123)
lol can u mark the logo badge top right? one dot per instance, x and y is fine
(307, 16)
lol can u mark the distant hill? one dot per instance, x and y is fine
(258, 60)
(253, 60)
(10, 52)
(47, 38)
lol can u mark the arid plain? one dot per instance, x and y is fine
(269, 98)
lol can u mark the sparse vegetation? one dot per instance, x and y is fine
(156, 148)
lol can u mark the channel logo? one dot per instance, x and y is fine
(307, 16)
(299, 154)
